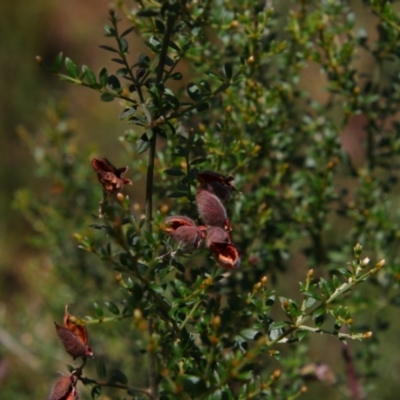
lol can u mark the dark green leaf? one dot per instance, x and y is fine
(177, 76)
(127, 112)
(197, 161)
(160, 26)
(144, 61)
(98, 310)
(112, 307)
(103, 77)
(142, 146)
(123, 43)
(148, 12)
(174, 46)
(71, 68)
(113, 82)
(109, 48)
(89, 75)
(228, 70)
(107, 97)
(193, 91)
(127, 31)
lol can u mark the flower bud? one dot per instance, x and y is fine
(64, 389)
(211, 210)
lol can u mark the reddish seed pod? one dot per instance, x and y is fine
(211, 210)
(227, 255)
(72, 344)
(216, 234)
(217, 184)
(64, 389)
(110, 176)
(184, 231)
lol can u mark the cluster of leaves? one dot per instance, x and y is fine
(247, 114)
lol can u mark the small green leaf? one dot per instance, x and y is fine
(89, 75)
(160, 26)
(193, 91)
(71, 68)
(98, 310)
(127, 31)
(249, 333)
(127, 112)
(198, 160)
(228, 70)
(109, 48)
(215, 76)
(103, 77)
(123, 43)
(144, 61)
(113, 82)
(112, 307)
(142, 146)
(148, 12)
(177, 76)
(107, 97)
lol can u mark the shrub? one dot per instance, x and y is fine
(223, 99)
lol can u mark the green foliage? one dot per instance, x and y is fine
(221, 87)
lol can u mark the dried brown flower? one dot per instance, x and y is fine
(217, 184)
(224, 250)
(184, 231)
(64, 389)
(72, 344)
(110, 176)
(74, 336)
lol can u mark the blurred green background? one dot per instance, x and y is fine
(28, 359)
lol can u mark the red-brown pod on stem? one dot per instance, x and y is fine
(216, 234)
(110, 176)
(77, 329)
(64, 389)
(72, 344)
(217, 184)
(227, 255)
(184, 230)
(211, 210)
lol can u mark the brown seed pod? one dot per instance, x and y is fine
(64, 389)
(216, 234)
(77, 329)
(217, 184)
(227, 255)
(72, 344)
(184, 230)
(211, 210)
(110, 176)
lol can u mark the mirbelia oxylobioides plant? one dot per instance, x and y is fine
(205, 333)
